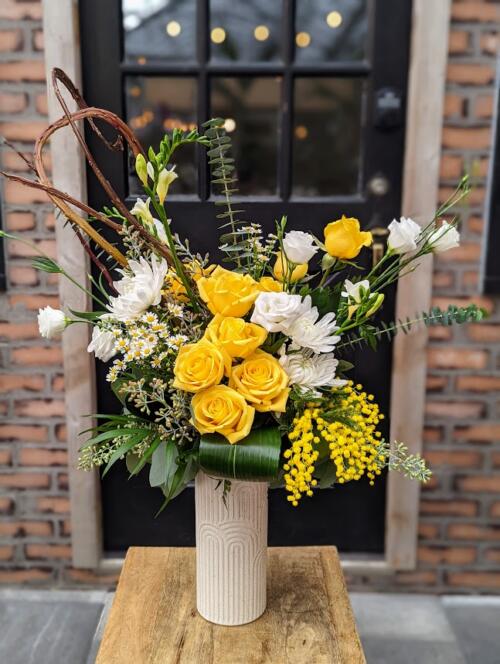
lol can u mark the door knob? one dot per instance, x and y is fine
(379, 233)
(378, 185)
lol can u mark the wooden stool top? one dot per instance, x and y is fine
(154, 620)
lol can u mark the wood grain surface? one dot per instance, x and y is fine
(154, 620)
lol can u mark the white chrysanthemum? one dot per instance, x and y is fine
(306, 331)
(311, 371)
(354, 291)
(51, 322)
(443, 238)
(299, 246)
(140, 290)
(403, 235)
(276, 311)
(103, 344)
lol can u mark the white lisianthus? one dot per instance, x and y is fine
(165, 179)
(306, 331)
(311, 371)
(443, 238)
(299, 247)
(102, 344)
(140, 290)
(355, 292)
(403, 235)
(51, 322)
(275, 311)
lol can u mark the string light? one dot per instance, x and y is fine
(301, 132)
(303, 39)
(334, 19)
(135, 91)
(173, 28)
(229, 125)
(261, 33)
(218, 35)
(142, 60)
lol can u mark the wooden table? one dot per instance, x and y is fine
(154, 620)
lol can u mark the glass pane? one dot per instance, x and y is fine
(326, 136)
(245, 31)
(250, 106)
(155, 105)
(159, 29)
(329, 30)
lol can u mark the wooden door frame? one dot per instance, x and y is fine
(426, 80)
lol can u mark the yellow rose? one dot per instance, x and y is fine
(236, 336)
(262, 381)
(344, 239)
(220, 409)
(270, 285)
(228, 293)
(200, 365)
(298, 273)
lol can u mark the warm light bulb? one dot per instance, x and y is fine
(173, 28)
(303, 39)
(261, 33)
(218, 35)
(142, 60)
(334, 19)
(301, 132)
(229, 125)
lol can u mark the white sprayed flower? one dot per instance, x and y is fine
(306, 331)
(140, 290)
(141, 211)
(311, 371)
(141, 168)
(355, 292)
(275, 311)
(150, 170)
(160, 231)
(51, 322)
(103, 344)
(299, 246)
(443, 238)
(403, 235)
(165, 179)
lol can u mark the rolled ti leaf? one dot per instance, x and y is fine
(256, 457)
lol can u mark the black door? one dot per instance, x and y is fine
(313, 92)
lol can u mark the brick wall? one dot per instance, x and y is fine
(459, 533)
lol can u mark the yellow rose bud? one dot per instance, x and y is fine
(222, 410)
(299, 272)
(141, 168)
(270, 285)
(165, 179)
(344, 239)
(262, 381)
(228, 293)
(200, 365)
(236, 336)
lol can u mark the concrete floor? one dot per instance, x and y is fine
(65, 627)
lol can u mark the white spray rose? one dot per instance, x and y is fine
(140, 290)
(353, 291)
(403, 235)
(311, 371)
(51, 322)
(299, 246)
(102, 344)
(275, 311)
(443, 238)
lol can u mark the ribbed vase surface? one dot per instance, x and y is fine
(231, 547)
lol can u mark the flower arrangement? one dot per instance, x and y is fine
(236, 366)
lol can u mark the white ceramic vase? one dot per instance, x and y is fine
(231, 548)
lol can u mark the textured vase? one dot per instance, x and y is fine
(231, 548)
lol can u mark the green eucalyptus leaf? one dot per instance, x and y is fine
(163, 463)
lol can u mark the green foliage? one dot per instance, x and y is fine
(397, 457)
(170, 143)
(256, 457)
(46, 264)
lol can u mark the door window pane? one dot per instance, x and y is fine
(331, 30)
(155, 105)
(159, 29)
(250, 106)
(245, 31)
(326, 136)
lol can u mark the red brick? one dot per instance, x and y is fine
(478, 383)
(483, 106)
(34, 302)
(436, 383)
(479, 483)
(23, 276)
(25, 528)
(5, 457)
(34, 551)
(418, 578)
(50, 220)
(475, 224)
(442, 279)
(34, 456)
(478, 433)
(12, 102)
(476, 196)
(438, 555)
(20, 194)
(458, 41)
(21, 382)
(453, 105)
(484, 332)
(58, 384)
(440, 333)
(11, 40)
(489, 43)
(458, 459)
(468, 252)
(89, 577)
(21, 250)
(25, 481)
(40, 408)
(6, 505)
(11, 161)
(41, 104)
(23, 432)
(53, 504)
(470, 279)
(470, 74)
(492, 555)
(474, 11)
(487, 580)
(16, 11)
(451, 166)
(61, 433)
(495, 459)
(427, 531)
(20, 221)
(17, 331)
(25, 130)
(433, 434)
(38, 44)
(495, 510)
(63, 481)
(471, 531)
(37, 355)
(30, 575)
(457, 358)
(467, 138)
(455, 409)
(65, 527)
(449, 507)
(23, 70)
(6, 552)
